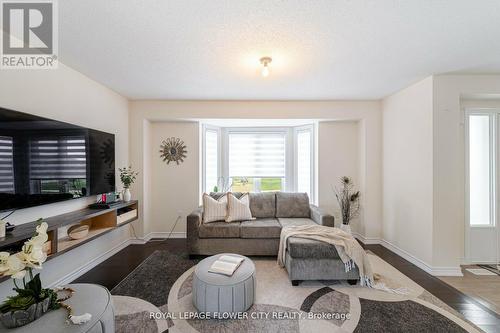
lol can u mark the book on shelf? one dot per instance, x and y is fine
(226, 265)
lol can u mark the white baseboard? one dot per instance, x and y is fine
(407, 256)
(91, 264)
(447, 271)
(106, 255)
(138, 241)
(166, 234)
(474, 261)
(366, 240)
(158, 234)
(435, 271)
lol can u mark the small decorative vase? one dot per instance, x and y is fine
(346, 228)
(127, 195)
(20, 318)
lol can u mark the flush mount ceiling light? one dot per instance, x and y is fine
(265, 61)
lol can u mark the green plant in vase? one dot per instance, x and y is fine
(127, 177)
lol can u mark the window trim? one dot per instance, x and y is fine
(296, 131)
(209, 128)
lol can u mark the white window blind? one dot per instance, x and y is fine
(211, 159)
(304, 161)
(6, 165)
(63, 158)
(257, 155)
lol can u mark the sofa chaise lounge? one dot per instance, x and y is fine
(305, 259)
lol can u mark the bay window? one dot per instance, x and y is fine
(258, 159)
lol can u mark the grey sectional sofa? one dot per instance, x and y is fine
(256, 237)
(305, 259)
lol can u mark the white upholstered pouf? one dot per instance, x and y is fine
(217, 293)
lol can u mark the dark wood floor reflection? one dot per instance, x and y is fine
(110, 272)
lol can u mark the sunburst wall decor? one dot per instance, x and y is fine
(173, 150)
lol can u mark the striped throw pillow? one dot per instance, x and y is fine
(214, 210)
(238, 209)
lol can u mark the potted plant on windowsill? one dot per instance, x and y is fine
(348, 200)
(127, 177)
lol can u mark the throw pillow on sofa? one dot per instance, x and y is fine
(214, 210)
(218, 195)
(238, 209)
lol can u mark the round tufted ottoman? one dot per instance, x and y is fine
(217, 293)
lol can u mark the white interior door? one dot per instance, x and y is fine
(482, 186)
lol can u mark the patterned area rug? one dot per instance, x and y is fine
(163, 283)
(146, 290)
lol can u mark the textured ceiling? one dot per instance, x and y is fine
(332, 49)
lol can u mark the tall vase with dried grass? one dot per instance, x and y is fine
(348, 200)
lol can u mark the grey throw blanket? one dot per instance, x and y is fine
(350, 251)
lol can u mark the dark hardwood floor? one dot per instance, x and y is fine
(474, 311)
(110, 272)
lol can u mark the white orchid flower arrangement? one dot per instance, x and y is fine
(21, 264)
(31, 256)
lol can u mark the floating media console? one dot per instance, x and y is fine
(99, 221)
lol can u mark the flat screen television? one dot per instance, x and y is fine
(44, 161)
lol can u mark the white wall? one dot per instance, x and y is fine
(67, 95)
(424, 124)
(151, 113)
(449, 161)
(174, 189)
(408, 170)
(338, 155)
